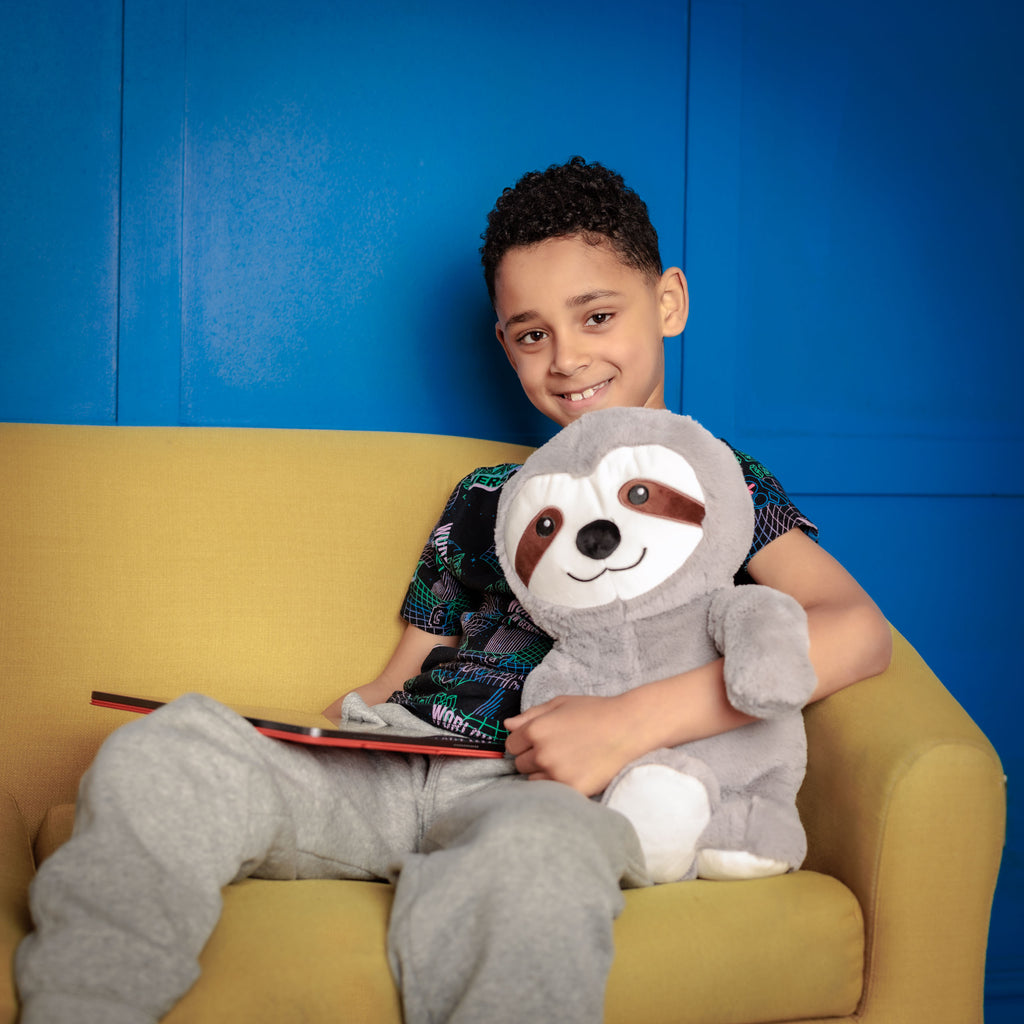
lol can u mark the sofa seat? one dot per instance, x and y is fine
(796, 941)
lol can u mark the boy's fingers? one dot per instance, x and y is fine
(518, 721)
(517, 743)
(525, 764)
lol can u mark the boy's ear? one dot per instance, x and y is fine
(674, 300)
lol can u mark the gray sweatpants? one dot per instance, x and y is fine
(505, 889)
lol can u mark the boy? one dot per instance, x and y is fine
(506, 877)
(572, 266)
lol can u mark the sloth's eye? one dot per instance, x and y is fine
(638, 494)
(545, 526)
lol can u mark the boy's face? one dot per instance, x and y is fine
(584, 331)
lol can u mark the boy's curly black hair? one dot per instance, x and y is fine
(574, 198)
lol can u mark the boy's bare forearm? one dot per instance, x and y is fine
(848, 642)
(412, 648)
(378, 690)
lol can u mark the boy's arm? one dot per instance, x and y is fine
(585, 741)
(413, 646)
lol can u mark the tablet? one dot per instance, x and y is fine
(312, 728)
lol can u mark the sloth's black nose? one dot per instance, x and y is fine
(598, 539)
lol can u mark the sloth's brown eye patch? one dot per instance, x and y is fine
(536, 539)
(657, 499)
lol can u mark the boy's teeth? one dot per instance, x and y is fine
(578, 396)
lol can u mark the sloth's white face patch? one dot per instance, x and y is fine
(582, 542)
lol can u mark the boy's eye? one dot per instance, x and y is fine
(531, 337)
(597, 319)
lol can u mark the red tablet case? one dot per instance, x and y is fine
(303, 727)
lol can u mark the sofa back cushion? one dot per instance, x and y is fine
(259, 566)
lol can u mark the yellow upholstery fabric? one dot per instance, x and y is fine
(334, 966)
(719, 953)
(927, 785)
(16, 871)
(803, 919)
(267, 567)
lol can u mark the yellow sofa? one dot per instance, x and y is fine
(159, 560)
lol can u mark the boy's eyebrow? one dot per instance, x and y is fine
(521, 318)
(587, 297)
(576, 300)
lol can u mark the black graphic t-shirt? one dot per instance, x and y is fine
(458, 589)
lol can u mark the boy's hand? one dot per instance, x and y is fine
(581, 741)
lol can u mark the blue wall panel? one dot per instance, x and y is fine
(854, 239)
(149, 363)
(60, 79)
(339, 164)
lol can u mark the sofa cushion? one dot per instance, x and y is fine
(296, 951)
(795, 949)
(784, 948)
(263, 567)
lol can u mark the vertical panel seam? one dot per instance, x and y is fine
(120, 229)
(686, 180)
(183, 149)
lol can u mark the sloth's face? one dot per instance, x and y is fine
(582, 542)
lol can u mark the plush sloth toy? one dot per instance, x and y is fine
(621, 537)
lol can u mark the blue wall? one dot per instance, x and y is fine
(289, 230)
(252, 212)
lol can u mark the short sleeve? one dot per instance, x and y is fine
(774, 512)
(435, 600)
(458, 565)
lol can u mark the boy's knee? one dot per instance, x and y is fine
(514, 809)
(547, 809)
(192, 719)
(195, 712)
(193, 736)
(542, 826)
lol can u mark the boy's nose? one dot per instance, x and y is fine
(568, 356)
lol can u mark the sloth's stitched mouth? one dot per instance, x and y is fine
(608, 568)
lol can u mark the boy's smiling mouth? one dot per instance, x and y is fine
(579, 396)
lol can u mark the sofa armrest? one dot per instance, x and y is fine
(905, 803)
(16, 871)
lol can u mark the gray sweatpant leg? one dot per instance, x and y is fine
(505, 914)
(176, 806)
(505, 889)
